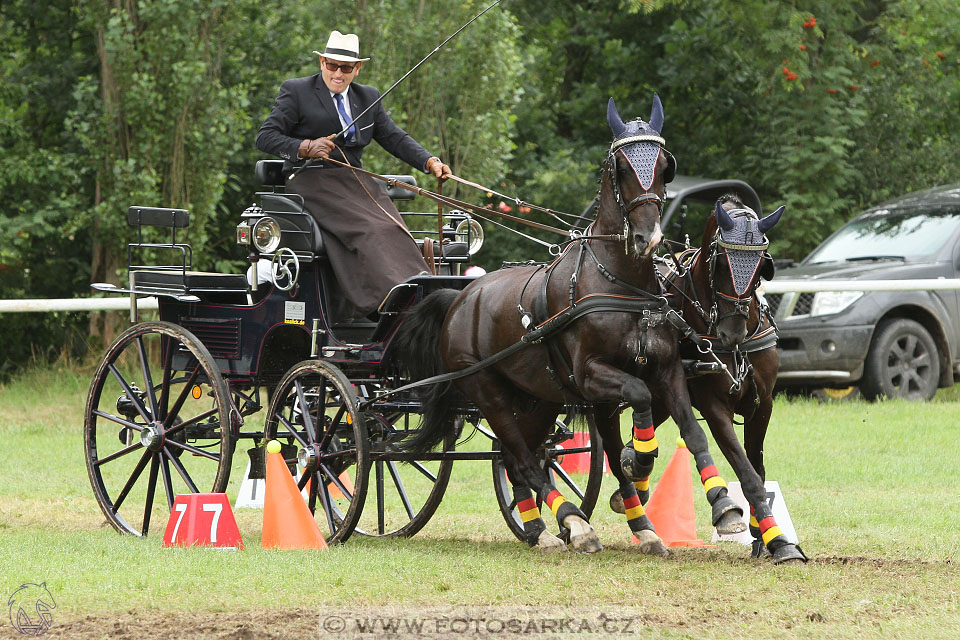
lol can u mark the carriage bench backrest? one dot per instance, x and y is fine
(158, 217)
(141, 217)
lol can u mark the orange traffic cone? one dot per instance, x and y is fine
(670, 508)
(287, 522)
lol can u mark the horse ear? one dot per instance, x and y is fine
(767, 223)
(656, 115)
(614, 119)
(767, 268)
(723, 218)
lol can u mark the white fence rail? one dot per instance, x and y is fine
(774, 286)
(75, 304)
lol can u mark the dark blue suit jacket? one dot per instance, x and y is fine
(305, 110)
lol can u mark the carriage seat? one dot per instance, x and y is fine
(177, 281)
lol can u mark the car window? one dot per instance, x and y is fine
(884, 233)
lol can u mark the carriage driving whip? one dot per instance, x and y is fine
(394, 85)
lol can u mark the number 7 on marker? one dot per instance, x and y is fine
(215, 508)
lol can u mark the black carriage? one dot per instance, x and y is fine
(172, 399)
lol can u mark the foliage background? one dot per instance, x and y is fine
(826, 107)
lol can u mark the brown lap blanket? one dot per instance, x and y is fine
(369, 246)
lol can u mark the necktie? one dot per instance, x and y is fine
(348, 137)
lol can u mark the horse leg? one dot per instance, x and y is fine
(496, 400)
(541, 418)
(533, 526)
(638, 457)
(635, 461)
(608, 425)
(726, 515)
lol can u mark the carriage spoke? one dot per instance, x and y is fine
(190, 421)
(167, 374)
(178, 404)
(128, 390)
(325, 500)
(336, 481)
(132, 480)
(147, 377)
(117, 419)
(181, 470)
(305, 412)
(195, 451)
(289, 427)
(117, 454)
(334, 422)
(167, 482)
(401, 491)
(151, 489)
(312, 494)
(380, 505)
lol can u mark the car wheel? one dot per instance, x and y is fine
(902, 362)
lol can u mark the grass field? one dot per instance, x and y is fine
(871, 489)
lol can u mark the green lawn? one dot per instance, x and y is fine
(871, 490)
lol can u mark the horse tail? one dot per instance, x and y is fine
(417, 350)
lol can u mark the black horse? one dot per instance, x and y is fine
(596, 332)
(714, 289)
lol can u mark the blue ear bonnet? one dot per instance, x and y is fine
(744, 243)
(638, 141)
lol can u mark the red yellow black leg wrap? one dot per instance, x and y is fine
(638, 457)
(636, 517)
(772, 536)
(529, 514)
(713, 483)
(561, 507)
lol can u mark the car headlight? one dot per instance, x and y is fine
(266, 235)
(829, 302)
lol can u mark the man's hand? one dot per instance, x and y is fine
(319, 148)
(438, 169)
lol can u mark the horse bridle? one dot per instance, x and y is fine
(740, 303)
(610, 164)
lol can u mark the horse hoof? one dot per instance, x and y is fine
(759, 549)
(549, 543)
(730, 522)
(789, 553)
(650, 543)
(616, 502)
(582, 536)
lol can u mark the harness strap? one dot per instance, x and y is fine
(586, 305)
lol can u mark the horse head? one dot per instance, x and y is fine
(637, 170)
(737, 259)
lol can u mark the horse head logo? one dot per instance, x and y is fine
(30, 607)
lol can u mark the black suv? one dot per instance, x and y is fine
(888, 343)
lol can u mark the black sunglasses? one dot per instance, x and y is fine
(345, 68)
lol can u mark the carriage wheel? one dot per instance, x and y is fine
(404, 494)
(148, 426)
(579, 487)
(313, 413)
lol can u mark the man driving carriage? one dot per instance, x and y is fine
(369, 246)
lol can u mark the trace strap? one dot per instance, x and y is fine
(553, 325)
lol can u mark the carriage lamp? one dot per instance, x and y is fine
(243, 233)
(266, 235)
(470, 231)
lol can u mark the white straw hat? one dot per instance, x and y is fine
(344, 47)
